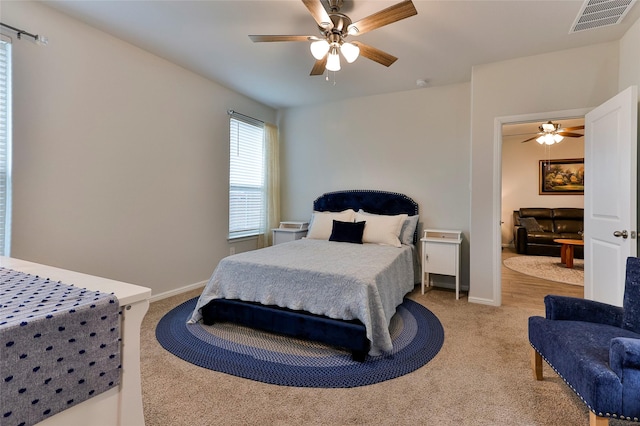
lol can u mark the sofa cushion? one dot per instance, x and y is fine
(568, 213)
(537, 212)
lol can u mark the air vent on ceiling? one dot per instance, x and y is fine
(601, 13)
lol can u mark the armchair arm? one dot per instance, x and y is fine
(624, 361)
(576, 309)
(624, 353)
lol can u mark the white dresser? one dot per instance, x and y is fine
(121, 406)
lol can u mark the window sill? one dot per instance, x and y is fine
(243, 238)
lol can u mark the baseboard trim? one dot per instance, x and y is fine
(177, 291)
(481, 301)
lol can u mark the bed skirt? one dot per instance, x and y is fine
(351, 335)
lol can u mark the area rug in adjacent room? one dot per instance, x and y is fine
(548, 268)
(416, 332)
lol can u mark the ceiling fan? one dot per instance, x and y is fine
(335, 27)
(551, 133)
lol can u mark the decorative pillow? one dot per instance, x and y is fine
(381, 229)
(531, 224)
(347, 232)
(321, 223)
(408, 229)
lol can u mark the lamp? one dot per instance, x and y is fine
(333, 60)
(319, 48)
(350, 52)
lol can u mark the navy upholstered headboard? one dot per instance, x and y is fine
(371, 201)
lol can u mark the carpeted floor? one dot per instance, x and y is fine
(481, 376)
(548, 268)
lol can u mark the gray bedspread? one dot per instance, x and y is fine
(337, 280)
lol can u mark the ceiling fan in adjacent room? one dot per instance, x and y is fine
(335, 27)
(551, 133)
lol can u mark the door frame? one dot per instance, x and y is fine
(497, 179)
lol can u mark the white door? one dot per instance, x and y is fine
(610, 195)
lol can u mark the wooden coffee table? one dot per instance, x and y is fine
(566, 250)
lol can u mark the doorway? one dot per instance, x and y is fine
(515, 193)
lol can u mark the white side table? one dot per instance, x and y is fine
(441, 255)
(284, 235)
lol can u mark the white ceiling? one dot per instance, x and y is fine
(441, 44)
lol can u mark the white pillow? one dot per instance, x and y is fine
(322, 223)
(381, 229)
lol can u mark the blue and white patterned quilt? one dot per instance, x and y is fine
(338, 280)
(59, 346)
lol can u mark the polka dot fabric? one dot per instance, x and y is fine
(59, 346)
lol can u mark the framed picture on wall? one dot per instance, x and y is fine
(564, 177)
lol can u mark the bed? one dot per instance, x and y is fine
(121, 404)
(325, 287)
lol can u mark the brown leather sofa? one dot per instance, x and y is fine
(534, 230)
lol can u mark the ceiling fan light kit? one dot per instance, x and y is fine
(549, 139)
(551, 133)
(335, 27)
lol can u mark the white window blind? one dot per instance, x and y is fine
(5, 147)
(246, 177)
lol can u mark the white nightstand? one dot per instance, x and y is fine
(441, 255)
(289, 231)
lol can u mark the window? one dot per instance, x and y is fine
(5, 146)
(246, 177)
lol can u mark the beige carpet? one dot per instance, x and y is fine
(548, 268)
(480, 377)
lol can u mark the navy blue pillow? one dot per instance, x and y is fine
(347, 232)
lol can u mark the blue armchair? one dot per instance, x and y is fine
(595, 348)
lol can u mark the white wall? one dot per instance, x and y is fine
(565, 80)
(120, 157)
(520, 177)
(629, 58)
(413, 142)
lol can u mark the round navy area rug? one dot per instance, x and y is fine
(416, 332)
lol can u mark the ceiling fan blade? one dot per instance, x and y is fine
(261, 38)
(570, 135)
(386, 16)
(319, 66)
(570, 129)
(375, 54)
(530, 139)
(319, 13)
